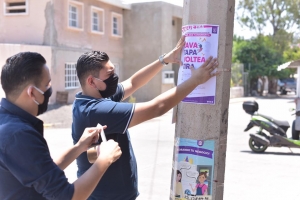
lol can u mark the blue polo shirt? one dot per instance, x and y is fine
(27, 170)
(120, 180)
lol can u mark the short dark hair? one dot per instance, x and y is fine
(90, 63)
(179, 172)
(20, 70)
(203, 173)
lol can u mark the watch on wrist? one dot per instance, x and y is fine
(161, 59)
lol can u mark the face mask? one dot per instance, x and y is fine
(111, 86)
(43, 106)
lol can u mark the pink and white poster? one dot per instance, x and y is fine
(201, 42)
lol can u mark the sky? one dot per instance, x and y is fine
(238, 29)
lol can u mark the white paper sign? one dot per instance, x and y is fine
(201, 42)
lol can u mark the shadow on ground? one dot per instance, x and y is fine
(273, 153)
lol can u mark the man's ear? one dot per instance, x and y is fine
(30, 91)
(90, 81)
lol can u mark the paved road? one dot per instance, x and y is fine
(273, 175)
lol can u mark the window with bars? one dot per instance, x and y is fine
(15, 7)
(117, 24)
(168, 77)
(71, 79)
(75, 15)
(97, 20)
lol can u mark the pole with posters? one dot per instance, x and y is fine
(202, 117)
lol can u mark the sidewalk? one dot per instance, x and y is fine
(241, 99)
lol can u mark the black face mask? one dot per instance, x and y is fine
(44, 106)
(111, 86)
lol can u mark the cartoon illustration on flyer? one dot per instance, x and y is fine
(193, 170)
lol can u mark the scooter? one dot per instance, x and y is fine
(271, 132)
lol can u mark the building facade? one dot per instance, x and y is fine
(61, 30)
(151, 29)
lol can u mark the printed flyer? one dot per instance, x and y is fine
(201, 42)
(192, 170)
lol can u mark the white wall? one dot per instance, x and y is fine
(236, 92)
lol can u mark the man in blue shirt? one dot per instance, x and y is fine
(99, 102)
(27, 170)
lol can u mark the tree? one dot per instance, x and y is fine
(262, 56)
(282, 40)
(236, 74)
(280, 14)
(291, 54)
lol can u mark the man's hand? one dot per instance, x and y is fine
(109, 151)
(89, 136)
(85, 184)
(174, 55)
(205, 71)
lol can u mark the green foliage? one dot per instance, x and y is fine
(291, 54)
(263, 54)
(236, 75)
(282, 40)
(281, 14)
(231, 83)
(259, 55)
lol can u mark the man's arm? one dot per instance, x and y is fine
(37, 169)
(88, 137)
(167, 100)
(68, 157)
(85, 184)
(109, 153)
(144, 75)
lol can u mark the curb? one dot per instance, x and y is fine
(50, 125)
(242, 99)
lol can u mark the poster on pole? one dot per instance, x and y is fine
(192, 170)
(201, 41)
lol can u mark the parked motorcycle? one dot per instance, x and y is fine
(271, 132)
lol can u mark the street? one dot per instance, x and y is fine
(271, 175)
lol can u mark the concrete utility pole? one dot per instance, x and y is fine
(210, 122)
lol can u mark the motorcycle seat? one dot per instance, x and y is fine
(278, 122)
